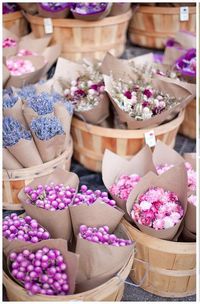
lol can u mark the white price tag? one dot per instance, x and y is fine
(48, 26)
(150, 138)
(184, 13)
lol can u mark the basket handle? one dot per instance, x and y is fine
(143, 278)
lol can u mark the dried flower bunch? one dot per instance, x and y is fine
(140, 100)
(84, 92)
(13, 131)
(46, 128)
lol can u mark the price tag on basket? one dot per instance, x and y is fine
(184, 13)
(48, 26)
(150, 138)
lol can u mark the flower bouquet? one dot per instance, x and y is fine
(91, 11)
(96, 246)
(85, 90)
(186, 65)
(54, 10)
(125, 174)
(47, 198)
(94, 208)
(10, 43)
(19, 142)
(147, 102)
(40, 267)
(157, 205)
(21, 230)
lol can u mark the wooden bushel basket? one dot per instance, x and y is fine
(82, 39)
(15, 180)
(16, 21)
(169, 267)
(112, 290)
(150, 26)
(91, 141)
(188, 127)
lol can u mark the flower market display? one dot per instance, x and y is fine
(99, 189)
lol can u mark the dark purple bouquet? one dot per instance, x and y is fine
(10, 8)
(54, 9)
(91, 11)
(186, 64)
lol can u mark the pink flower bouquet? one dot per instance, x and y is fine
(157, 205)
(120, 176)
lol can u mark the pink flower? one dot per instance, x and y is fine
(158, 224)
(148, 93)
(192, 199)
(124, 185)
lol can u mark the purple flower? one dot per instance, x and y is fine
(89, 8)
(54, 6)
(128, 94)
(148, 93)
(13, 131)
(80, 92)
(46, 128)
(10, 8)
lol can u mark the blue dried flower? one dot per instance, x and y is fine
(46, 127)
(9, 100)
(13, 131)
(8, 91)
(42, 103)
(27, 92)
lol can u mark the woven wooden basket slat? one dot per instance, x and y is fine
(15, 180)
(188, 127)
(81, 39)
(150, 26)
(170, 267)
(91, 141)
(16, 20)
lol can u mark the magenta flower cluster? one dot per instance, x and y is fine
(123, 186)
(9, 43)
(23, 229)
(101, 236)
(157, 208)
(50, 197)
(40, 272)
(88, 196)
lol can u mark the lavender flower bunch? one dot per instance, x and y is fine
(26, 92)
(89, 8)
(43, 103)
(46, 128)
(13, 131)
(9, 99)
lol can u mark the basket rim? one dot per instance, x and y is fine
(119, 133)
(108, 21)
(36, 169)
(163, 10)
(11, 16)
(159, 244)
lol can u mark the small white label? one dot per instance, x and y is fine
(48, 26)
(150, 138)
(184, 13)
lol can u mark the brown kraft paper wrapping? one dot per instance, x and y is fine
(163, 154)
(174, 180)
(188, 236)
(26, 153)
(33, 44)
(16, 112)
(99, 112)
(57, 223)
(95, 215)
(119, 8)
(70, 259)
(113, 166)
(28, 78)
(190, 217)
(6, 75)
(9, 161)
(98, 263)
